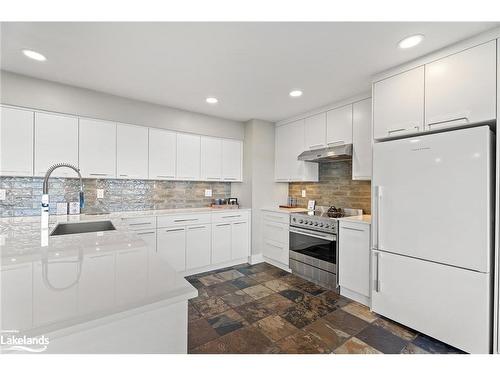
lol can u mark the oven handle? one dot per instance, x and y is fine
(328, 237)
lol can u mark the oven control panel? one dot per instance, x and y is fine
(322, 224)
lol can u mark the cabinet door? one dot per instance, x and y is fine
(198, 243)
(17, 297)
(97, 148)
(211, 159)
(162, 154)
(316, 131)
(339, 126)
(56, 141)
(429, 297)
(149, 237)
(132, 151)
(362, 140)
(240, 246)
(188, 157)
(354, 259)
(398, 104)
(171, 247)
(16, 142)
(51, 304)
(232, 152)
(99, 276)
(461, 88)
(131, 275)
(221, 243)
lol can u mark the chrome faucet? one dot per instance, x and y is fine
(45, 195)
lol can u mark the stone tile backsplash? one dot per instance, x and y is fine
(335, 187)
(24, 194)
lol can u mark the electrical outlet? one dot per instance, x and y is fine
(303, 193)
(100, 193)
(208, 192)
(3, 194)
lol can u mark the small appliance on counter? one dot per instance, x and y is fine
(225, 203)
(291, 203)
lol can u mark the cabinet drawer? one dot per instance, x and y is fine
(223, 217)
(275, 251)
(138, 223)
(276, 217)
(276, 232)
(186, 219)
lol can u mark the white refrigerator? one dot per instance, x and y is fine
(432, 252)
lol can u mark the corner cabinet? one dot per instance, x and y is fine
(16, 142)
(232, 160)
(289, 144)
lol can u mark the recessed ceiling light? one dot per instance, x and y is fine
(410, 41)
(295, 93)
(211, 100)
(34, 55)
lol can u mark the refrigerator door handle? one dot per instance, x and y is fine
(378, 198)
(376, 281)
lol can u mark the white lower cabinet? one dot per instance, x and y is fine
(131, 275)
(354, 261)
(240, 240)
(171, 246)
(275, 238)
(444, 302)
(198, 238)
(17, 297)
(221, 243)
(99, 275)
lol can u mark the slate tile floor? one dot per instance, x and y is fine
(263, 309)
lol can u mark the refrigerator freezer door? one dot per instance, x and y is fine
(433, 195)
(448, 303)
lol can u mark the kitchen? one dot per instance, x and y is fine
(204, 228)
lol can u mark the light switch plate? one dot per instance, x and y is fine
(303, 193)
(3, 194)
(100, 193)
(208, 192)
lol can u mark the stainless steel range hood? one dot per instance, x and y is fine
(328, 154)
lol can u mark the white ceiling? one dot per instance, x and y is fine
(249, 67)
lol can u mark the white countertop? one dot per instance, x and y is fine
(56, 282)
(284, 210)
(367, 219)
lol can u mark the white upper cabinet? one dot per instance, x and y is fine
(211, 159)
(56, 141)
(131, 151)
(362, 140)
(289, 145)
(339, 126)
(398, 104)
(97, 148)
(162, 154)
(461, 88)
(316, 131)
(188, 157)
(232, 159)
(16, 142)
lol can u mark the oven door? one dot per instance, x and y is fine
(313, 248)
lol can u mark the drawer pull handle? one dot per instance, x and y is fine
(98, 174)
(222, 225)
(164, 176)
(141, 233)
(228, 217)
(174, 230)
(141, 223)
(181, 220)
(200, 227)
(464, 118)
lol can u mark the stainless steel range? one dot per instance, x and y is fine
(313, 244)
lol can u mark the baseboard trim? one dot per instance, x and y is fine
(355, 296)
(284, 267)
(256, 258)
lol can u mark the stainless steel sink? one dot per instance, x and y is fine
(85, 227)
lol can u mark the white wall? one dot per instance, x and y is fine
(40, 94)
(259, 189)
